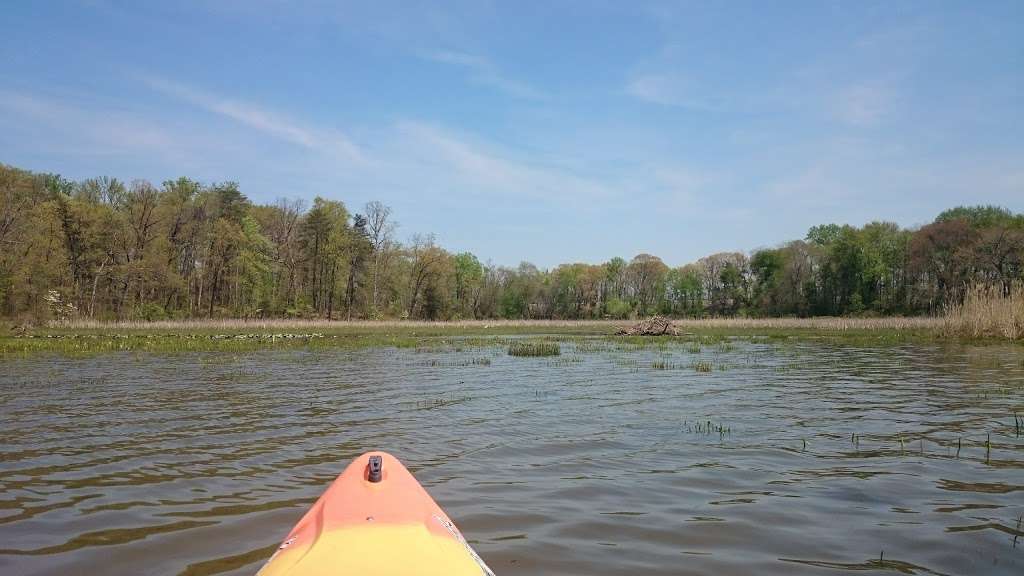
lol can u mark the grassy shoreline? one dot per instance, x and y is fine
(236, 335)
(591, 327)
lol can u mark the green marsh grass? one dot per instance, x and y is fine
(529, 349)
(702, 366)
(84, 337)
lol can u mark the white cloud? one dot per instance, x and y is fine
(820, 184)
(258, 118)
(482, 167)
(88, 130)
(858, 180)
(483, 71)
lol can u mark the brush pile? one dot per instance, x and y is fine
(653, 326)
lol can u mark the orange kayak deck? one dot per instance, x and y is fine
(375, 519)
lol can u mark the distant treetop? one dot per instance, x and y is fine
(981, 216)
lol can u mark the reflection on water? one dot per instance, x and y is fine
(805, 458)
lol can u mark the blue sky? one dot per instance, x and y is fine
(543, 131)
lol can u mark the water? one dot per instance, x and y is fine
(821, 458)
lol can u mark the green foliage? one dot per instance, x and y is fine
(469, 278)
(112, 250)
(980, 216)
(824, 234)
(513, 304)
(684, 292)
(255, 268)
(619, 308)
(151, 311)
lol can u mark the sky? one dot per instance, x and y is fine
(552, 132)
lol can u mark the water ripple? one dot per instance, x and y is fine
(625, 459)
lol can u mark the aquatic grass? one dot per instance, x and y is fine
(706, 427)
(702, 366)
(635, 343)
(530, 349)
(565, 361)
(438, 363)
(593, 345)
(85, 337)
(757, 361)
(665, 364)
(442, 401)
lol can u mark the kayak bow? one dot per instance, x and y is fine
(375, 520)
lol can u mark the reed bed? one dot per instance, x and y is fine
(702, 366)
(534, 349)
(987, 312)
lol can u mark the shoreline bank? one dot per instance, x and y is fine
(238, 335)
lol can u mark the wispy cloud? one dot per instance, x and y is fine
(261, 119)
(670, 89)
(486, 169)
(86, 130)
(483, 71)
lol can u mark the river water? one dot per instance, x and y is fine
(787, 457)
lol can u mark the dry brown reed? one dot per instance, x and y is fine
(987, 311)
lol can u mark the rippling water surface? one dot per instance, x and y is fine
(785, 458)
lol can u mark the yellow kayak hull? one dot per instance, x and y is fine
(375, 519)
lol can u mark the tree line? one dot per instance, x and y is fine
(104, 249)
